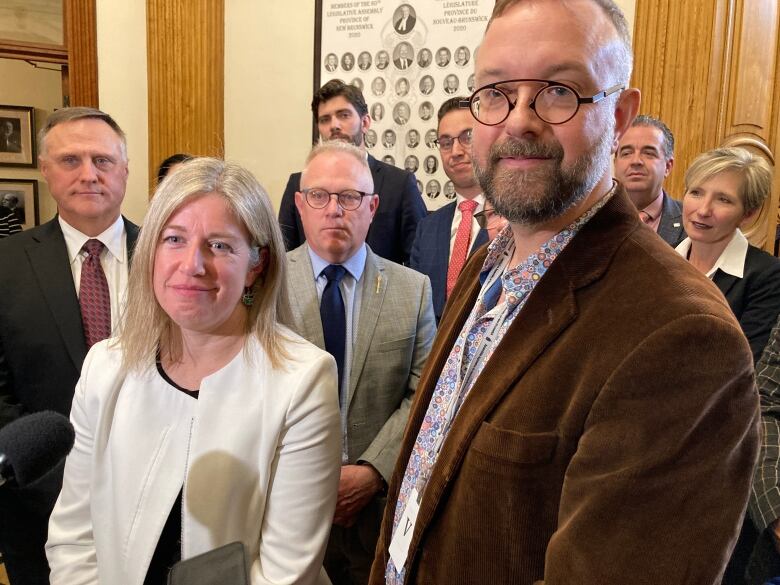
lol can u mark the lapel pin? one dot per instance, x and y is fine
(378, 281)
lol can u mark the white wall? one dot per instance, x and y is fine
(121, 42)
(269, 52)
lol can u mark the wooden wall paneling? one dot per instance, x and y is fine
(750, 104)
(709, 69)
(672, 51)
(774, 142)
(185, 54)
(80, 30)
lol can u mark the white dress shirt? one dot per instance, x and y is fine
(113, 259)
(731, 260)
(480, 199)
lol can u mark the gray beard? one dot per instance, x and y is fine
(535, 197)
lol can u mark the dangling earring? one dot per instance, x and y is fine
(249, 297)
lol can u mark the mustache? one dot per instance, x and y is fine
(515, 147)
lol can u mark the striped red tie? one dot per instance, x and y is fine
(94, 298)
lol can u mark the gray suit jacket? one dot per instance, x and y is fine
(396, 327)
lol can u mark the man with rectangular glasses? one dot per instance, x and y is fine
(568, 427)
(375, 317)
(446, 237)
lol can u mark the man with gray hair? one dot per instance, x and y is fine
(644, 158)
(63, 286)
(376, 318)
(567, 429)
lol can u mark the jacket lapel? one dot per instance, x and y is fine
(303, 297)
(371, 299)
(724, 281)
(48, 257)
(376, 174)
(550, 309)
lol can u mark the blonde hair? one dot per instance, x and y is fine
(754, 171)
(145, 325)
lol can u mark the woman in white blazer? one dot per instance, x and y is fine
(206, 421)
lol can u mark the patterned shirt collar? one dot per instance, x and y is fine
(514, 281)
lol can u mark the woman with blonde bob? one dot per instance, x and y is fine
(206, 421)
(724, 188)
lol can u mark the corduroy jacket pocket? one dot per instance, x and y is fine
(514, 447)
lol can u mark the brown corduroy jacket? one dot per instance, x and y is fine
(609, 440)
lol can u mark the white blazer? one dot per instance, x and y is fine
(258, 456)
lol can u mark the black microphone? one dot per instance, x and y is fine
(33, 445)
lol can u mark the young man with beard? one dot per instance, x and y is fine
(341, 113)
(566, 429)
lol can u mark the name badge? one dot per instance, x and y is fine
(399, 546)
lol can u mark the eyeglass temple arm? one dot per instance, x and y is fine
(602, 94)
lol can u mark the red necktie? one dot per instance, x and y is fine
(462, 240)
(94, 298)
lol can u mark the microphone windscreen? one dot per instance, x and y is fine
(35, 444)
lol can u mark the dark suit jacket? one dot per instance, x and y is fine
(431, 251)
(392, 231)
(575, 459)
(670, 228)
(754, 298)
(42, 348)
(42, 342)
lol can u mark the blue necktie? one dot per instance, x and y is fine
(334, 321)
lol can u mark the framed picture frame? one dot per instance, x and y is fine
(21, 197)
(17, 136)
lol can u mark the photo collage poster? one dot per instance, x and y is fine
(408, 58)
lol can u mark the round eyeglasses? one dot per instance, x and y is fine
(348, 199)
(553, 103)
(445, 143)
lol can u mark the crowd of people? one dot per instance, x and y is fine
(551, 379)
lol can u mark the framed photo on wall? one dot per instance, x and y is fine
(21, 197)
(17, 136)
(408, 57)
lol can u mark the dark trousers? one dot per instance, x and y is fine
(24, 525)
(755, 559)
(350, 551)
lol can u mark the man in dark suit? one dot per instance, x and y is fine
(46, 324)
(341, 114)
(645, 157)
(404, 56)
(567, 429)
(444, 240)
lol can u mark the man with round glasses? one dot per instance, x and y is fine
(446, 237)
(341, 113)
(569, 428)
(376, 318)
